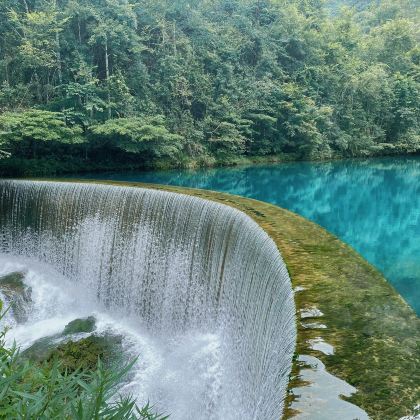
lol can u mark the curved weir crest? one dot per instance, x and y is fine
(181, 267)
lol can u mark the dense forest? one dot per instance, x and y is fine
(96, 84)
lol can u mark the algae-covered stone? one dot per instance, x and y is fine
(13, 282)
(40, 350)
(80, 325)
(79, 354)
(83, 354)
(17, 295)
(76, 354)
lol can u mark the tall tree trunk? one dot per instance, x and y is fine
(38, 87)
(107, 76)
(6, 70)
(57, 46)
(79, 29)
(59, 68)
(174, 38)
(47, 88)
(258, 13)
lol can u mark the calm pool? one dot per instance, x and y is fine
(373, 205)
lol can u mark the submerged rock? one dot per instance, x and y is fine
(80, 325)
(17, 295)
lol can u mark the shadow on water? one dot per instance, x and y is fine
(373, 205)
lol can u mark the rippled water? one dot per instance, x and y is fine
(373, 205)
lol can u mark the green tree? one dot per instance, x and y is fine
(308, 78)
(30, 129)
(146, 135)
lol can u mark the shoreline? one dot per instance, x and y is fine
(242, 161)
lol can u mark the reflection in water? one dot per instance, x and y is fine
(373, 205)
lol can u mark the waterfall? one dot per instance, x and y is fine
(176, 264)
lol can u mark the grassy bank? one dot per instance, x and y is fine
(374, 332)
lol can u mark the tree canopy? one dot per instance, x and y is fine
(137, 135)
(28, 128)
(205, 81)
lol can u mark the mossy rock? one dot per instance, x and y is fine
(80, 325)
(76, 354)
(17, 295)
(13, 282)
(83, 354)
(40, 350)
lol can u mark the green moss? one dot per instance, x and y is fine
(81, 325)
(83, 354)
(76, 354)
(73, 355)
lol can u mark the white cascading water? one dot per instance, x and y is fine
(197, 289)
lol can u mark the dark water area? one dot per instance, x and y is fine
(373, 204)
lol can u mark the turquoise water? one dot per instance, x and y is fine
(373, 205)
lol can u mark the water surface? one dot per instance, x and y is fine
(373, 205)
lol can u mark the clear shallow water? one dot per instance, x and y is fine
(373, 205)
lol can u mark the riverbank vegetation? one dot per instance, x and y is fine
(106, 84)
